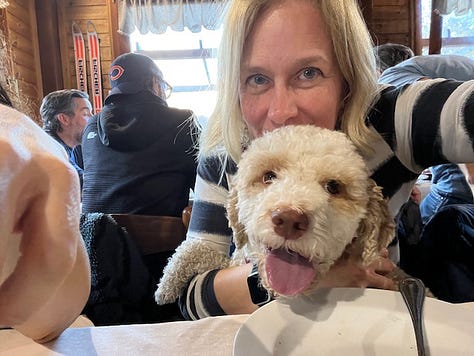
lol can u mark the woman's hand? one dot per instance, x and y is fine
(349, 272)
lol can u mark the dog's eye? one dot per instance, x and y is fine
(333, 187)
(268, 177)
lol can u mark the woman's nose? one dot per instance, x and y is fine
(282, 106)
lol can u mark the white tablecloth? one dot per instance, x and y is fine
(211, 336)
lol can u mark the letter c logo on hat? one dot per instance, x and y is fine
(116, 72)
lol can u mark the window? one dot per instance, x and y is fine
(189, 64)
(457, 31)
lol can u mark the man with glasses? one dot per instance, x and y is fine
(139, 153)
(166, 89)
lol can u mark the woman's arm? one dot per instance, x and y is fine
(232, 293)
(45, 276)
(468, 170)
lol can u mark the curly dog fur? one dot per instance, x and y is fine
(301, 196)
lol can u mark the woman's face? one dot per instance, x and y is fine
(289, 73)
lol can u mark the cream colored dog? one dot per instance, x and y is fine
(301, 196)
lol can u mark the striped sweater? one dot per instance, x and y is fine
(430, 122)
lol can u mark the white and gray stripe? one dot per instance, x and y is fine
(430, 122)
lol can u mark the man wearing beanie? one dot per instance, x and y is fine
(139, 154)
(139, 158)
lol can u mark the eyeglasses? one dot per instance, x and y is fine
(166, 88)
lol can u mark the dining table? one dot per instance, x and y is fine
(208, 336)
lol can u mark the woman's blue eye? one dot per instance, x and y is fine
(257, 80)
(310, 73)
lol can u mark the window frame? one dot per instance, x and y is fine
(436, 41)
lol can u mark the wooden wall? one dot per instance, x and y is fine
(19, 66)
(394, 21)
(80, 11)
(36, 48)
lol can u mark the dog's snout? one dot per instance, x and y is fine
(289, 223)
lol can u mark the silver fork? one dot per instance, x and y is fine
(413, 292)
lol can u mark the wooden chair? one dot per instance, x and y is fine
(153, 234)
(129, 253)
(186, 216)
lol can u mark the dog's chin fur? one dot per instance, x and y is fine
(305, 161)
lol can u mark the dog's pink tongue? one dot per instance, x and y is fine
(288, 273)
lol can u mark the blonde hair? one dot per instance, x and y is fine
(226, 131)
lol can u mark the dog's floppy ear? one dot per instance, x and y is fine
(377, 228)
(240, 237)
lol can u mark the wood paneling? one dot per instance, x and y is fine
(393, 21)
(81, 11)
(34, 71)
(21, 69)
(390, 13)
(48, 39)
(121, 42)
(390, 2)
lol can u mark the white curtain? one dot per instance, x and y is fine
(156, 15)
(460, 7)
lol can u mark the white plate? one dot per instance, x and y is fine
(352, 321)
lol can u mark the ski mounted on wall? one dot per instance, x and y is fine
(93, 47)
(94, 59)
(79, 57)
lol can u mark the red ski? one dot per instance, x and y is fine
(94, 60)
(79, 57)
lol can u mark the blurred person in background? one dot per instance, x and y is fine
(65, 114)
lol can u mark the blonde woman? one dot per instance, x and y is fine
(291, 62)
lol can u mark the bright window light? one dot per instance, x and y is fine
(457, 31)
(189, 64)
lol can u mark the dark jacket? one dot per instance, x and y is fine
(139, 157)
(122, 285)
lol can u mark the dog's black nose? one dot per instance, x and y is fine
(289, 223)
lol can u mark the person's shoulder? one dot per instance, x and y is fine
(12, 117)
(182, 121)
(182, 114)
(15, 126)
(439, 58)
(20, 134)
(91, 124)
(214, 168)
(93, 119)
(387, 91)
(403, 73)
